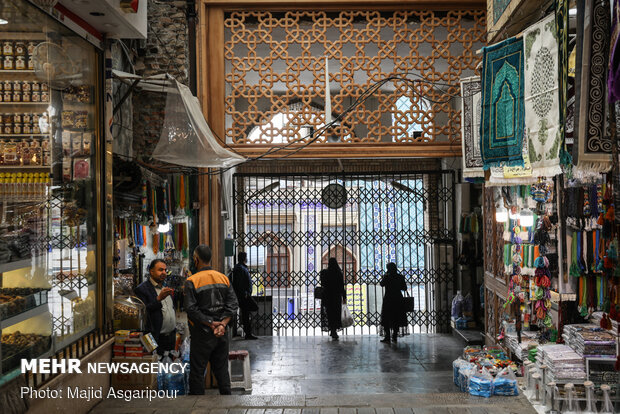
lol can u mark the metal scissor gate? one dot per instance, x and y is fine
(290, 225)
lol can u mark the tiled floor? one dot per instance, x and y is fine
(356, 375)
(418, 363)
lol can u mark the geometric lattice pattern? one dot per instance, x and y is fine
(275, 74)
(290, 225)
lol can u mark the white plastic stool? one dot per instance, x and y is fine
(244, 356)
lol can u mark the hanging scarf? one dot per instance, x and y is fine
(182, 201)
(144, 207)
(187, 196)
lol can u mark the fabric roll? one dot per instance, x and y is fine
(542, 106)
(501, 129)
(470, 127)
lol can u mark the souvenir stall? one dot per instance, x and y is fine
(151, 224)
(538, 129)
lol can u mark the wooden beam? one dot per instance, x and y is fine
(211, 92)
(352, 4)
(384, 150)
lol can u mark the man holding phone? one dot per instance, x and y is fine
(161, 318)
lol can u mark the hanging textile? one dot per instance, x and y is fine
(613, 79)
(592, 147)
(501, 128)
(470, 127)
(561, 31)
(501, 176)
(542, 123)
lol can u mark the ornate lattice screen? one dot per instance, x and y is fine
(275, 74)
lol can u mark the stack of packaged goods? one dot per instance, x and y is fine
(595, 343)
(132, 344)
(570, 332)
(590, 340)
(474, 371)
(521, 350)
(564, 364)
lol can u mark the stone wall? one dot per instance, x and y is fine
(166, 50)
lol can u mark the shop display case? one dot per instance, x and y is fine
(49, 126)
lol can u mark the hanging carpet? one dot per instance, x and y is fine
(592, 146)
(470, 127)
(501, 127)
(542, 113)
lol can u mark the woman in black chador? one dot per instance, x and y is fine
(393, 314)
(334, 295)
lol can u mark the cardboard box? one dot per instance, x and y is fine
(134, 381)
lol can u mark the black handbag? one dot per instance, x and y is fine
(318, 292)
(408, 303)
(250, 304)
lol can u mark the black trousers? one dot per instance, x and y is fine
(394, 330)
(245, 320)
(166, 342)
(206, 347)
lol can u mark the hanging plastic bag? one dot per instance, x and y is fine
(465, 373)
(481, 384)
(505, 383)
(346, 317)
(456, 367)
(457, 305)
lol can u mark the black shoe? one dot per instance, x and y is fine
(335, 337)
(394, 339)
(385, 340)
(250, 337)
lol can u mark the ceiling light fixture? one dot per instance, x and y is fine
(2, 21)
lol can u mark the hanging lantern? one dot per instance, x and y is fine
(526, 218)
(501, 214)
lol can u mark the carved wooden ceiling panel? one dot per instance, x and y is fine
(275, 74)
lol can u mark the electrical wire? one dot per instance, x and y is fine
(315, 135)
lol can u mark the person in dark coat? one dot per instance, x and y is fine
(393, 314)
(242, 284)
(334, 295)
(160, 314)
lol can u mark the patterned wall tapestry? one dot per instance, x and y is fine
(542, 113)
(501, 130)
(592, 146)
(470, 114)
(275, 74)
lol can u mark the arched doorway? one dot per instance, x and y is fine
(277, 261)
(346, 259)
